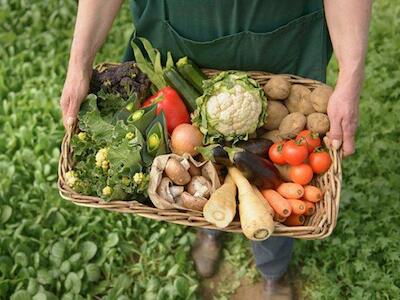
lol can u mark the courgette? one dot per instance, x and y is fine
(188, 93)
(191, 73)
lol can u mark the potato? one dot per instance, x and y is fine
(318, 122)
(299, 100)
(272, 135)
(277, 88)
(276, 111)
(320, 97)
(292, 124)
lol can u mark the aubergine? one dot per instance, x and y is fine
(258, 146)
(259, 171)
(215, 153)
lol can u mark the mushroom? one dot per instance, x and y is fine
(176, 190)
(192, 202)
(199, 186)
(177, 172)
(168, 191)
(164, 189)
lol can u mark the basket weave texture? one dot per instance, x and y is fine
(318, 226)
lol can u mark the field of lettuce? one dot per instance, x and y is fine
(51, 249)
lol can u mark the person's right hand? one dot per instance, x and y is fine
(75, 90)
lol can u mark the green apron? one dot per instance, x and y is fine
(278, 36)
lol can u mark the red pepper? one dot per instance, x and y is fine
(169, 101)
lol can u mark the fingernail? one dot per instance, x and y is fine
(70, 121)
(336, 144)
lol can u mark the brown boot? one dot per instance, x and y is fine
(279, 289)
(206, 253)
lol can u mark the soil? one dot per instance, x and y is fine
(245, 288)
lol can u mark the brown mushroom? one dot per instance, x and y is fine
(199, 186)
(168, 191)
(177, 172)
(192, 202)
(164, 189)
(176, 190)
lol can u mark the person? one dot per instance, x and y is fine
(278, 36)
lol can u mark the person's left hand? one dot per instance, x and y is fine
(343, 116)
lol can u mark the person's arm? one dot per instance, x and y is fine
(348, 23)
(93, 22)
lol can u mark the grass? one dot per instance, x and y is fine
(51, 249)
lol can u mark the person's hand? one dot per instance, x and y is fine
(75, 90)
(343, 116)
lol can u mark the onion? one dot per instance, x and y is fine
(185, 138)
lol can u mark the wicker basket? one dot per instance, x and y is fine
(318, 226)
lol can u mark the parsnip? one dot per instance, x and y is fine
(261, 197)
(256, 220)
(220, 209)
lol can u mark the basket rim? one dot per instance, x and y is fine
(322, 225)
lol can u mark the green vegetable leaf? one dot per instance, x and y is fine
(88, 250)
(147, 67)
(5, 213)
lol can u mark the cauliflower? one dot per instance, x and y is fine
(71, 178)
(129, 135)
(101, 157)
(107, 191)
(138, 178)
(233, 105)
(82, 136)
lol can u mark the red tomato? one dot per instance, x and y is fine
(294, 153)
(301, 174)
(311, 139)
(320, 162)
(169, 101)
(275, 153)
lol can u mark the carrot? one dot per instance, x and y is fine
(310, 208)
(295, 220)
(277, 202)
(255, 219)
(291, 190)
(312, 193)
(298, 206)
(279, 218)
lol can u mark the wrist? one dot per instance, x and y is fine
(351, 78)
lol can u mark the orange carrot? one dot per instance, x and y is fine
(291, 190)
(279, 218)
(277, 202)
(295, 220)
(312, 193)
(310, 208)
(298, 206)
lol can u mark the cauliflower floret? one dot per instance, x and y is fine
(236, 112)
(71, 178)
(107, 191)
(138, 178)
(129, 135)
(82, 136)
(101, 156)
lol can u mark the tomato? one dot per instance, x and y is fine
(310, 138)
(301, 174)
(295, 153)
(320, 162)
(275, 154)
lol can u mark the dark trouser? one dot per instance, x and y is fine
(272, 256)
